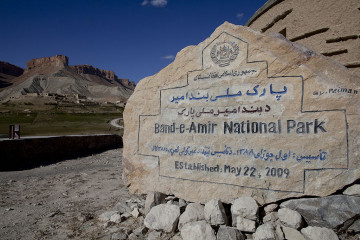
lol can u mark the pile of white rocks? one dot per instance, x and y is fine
(167, 217)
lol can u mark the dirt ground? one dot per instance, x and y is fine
(58, 201)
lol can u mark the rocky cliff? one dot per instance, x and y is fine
(54, 75)
(58, 60)
(106, 74)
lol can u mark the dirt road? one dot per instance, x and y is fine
(49, 202)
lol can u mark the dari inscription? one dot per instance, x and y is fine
(232, 124)
(244, 114)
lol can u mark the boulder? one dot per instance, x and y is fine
(244, 114)
(194, 212)
(229, 233)
(318, 233)
(163, 217)
(214, 213)
(271, 217)
(153, 199)
(245, 207)
(266, 231)
(270, 208)
(290, 218)
(353, 190)
(106, 216)
(336, 212)
(292, 234)
(200, 230)
(245, 225)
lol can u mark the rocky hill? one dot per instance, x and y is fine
(8, 72)
(53, 75)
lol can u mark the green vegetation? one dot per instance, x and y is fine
(53, 119)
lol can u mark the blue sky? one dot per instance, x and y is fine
(133, 38)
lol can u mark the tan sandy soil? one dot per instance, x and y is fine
(46, 202)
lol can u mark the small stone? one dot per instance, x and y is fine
(245, 207)
(125, 216)
(8, 209)
(265, 232)
(135, 213)
(214, 212)
(182, 203)
(355, 227)
(84, 217)
(353, 190)
(245, 225)
(132, 236)
(318, 233)
(194, 212)
(163, 217)
(116, 218)
(270, 208)
(292, 234)
(119, 236)
(155, 235)
(153, 199)
(140, 231)
(229, 233)
(122, 207)
(271, 217)
(104, 217)
(200, 230)
(279, 232)
(169, 198)
(290, 218)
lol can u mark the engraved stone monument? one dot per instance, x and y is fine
(244, 114)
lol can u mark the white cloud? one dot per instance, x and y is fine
(239, 15)
(155, 3)
(169, 57)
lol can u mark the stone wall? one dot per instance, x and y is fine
(29, 152)
(328, 27)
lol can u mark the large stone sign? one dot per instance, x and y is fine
(244, 114)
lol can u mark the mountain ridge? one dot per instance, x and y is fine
(53, 75)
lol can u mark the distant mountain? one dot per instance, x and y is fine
(53, 75)
(8, 72)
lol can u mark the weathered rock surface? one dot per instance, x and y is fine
(200, 230)
(354, 190)
(153, 199)
(106, 216)
(188, 127)
(293, 234)
(336, 212)
(229, 233)
(245, 207)
(214, 213)
(245, 225)
(290, 218)
(194, 212)
(270, 208)
(318, 233)
(271, 217)
(163, 217)
(265, 232)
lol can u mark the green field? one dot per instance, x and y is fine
(47, 120)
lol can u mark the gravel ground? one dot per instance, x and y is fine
(63, 200)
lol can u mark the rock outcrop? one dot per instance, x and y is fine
(58, 60)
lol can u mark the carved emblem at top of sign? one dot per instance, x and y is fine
(223, 53)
